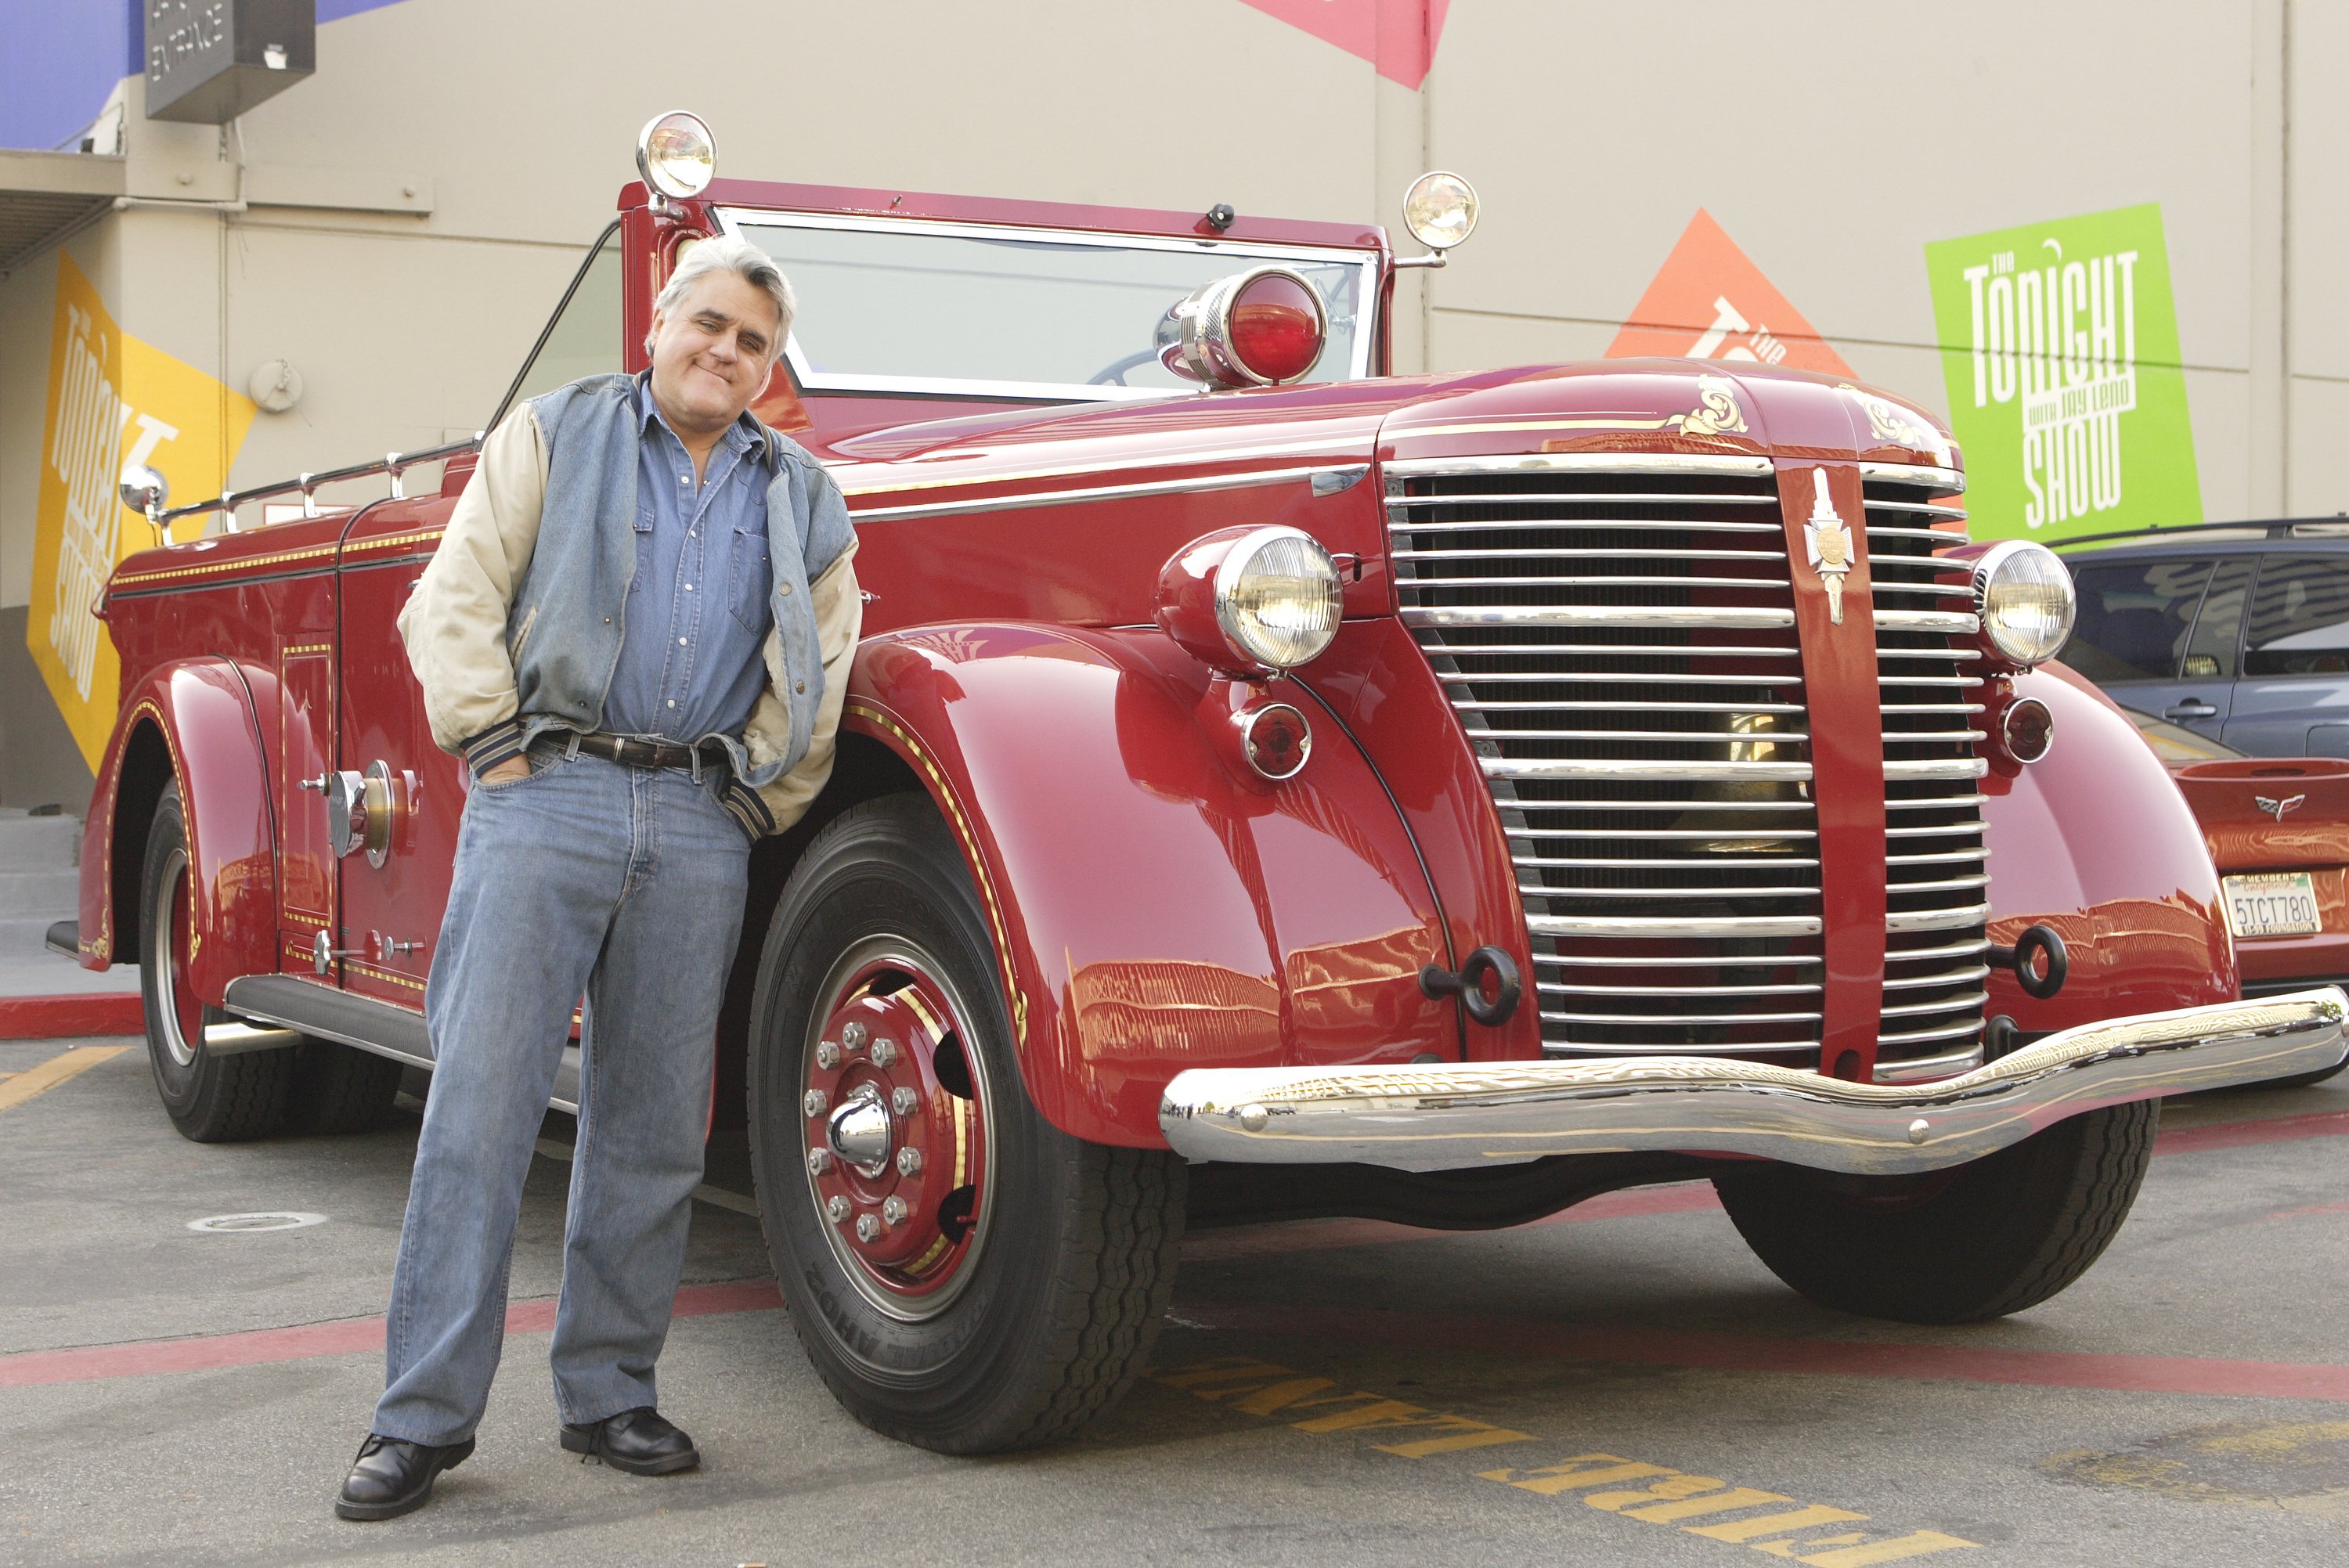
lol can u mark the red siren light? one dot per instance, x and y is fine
(1277, 326)
(1262, 327)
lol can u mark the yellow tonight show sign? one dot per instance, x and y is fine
(112, 401)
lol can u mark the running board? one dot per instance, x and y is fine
(383, 1028)
(65, 937)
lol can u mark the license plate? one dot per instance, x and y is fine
(2272, 903)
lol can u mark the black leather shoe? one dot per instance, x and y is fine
(390, 1477)
(637, 1441)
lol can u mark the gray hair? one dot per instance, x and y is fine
(730, 253)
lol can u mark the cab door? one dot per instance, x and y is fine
(395, 885)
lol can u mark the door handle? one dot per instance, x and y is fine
(2192, 707)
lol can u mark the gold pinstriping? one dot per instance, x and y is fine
(246, 563)
(391, 540)
(293, 648)
(372, 973)
(962, 827)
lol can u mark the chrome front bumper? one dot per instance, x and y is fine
(1483, 1113)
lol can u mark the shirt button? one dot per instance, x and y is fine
(685, 478)
(799, 685)
(680, 642)
(672, 702)
(785, 590)
(688, 587)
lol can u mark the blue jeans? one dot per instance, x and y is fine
(624, 885)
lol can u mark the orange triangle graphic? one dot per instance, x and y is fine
(1710, 301)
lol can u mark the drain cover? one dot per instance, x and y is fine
(275, 1220)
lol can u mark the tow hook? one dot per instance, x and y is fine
(1468, 985)
(2037, 958)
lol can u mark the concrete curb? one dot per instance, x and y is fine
(61, 1017)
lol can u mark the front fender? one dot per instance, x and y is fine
(1152, 910)
(200, 716)
(2095, 840)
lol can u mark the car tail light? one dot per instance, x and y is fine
(1262, 327)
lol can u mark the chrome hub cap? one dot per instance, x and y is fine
(860, 1132)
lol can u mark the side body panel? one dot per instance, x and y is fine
(2095, 840)
(1154, 910)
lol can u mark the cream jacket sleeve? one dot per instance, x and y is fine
(454, 624)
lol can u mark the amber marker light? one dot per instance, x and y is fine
(677, 155)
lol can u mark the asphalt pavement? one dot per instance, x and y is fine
(1622, 1385)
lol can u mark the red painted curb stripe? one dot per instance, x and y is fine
(1752, 1353)
(2237, 1134)
(346, 1336)
(62, 1018)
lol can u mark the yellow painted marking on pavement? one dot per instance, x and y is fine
(1667, 1496)
(1744, 1530)
(22, 1087)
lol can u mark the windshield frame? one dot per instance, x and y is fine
(733, 220)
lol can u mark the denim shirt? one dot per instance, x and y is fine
(697, 613)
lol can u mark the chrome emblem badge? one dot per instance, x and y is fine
(2275, 808)
(1829, 543)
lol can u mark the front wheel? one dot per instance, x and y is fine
(210, 1099)
(1981, 1240)
(964, 1275)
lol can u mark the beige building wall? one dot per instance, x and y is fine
(413, 210)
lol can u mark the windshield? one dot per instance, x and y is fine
(1024, 313)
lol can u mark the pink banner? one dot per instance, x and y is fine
(1399, 37)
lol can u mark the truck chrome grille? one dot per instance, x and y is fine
(1936, 868)
(1617, 634)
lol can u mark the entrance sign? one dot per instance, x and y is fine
(112, 401)
(2059, 347)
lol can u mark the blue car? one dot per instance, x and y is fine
(2236, 631)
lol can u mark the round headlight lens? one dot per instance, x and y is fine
(1278, 598)
(1440, 210)
(676, 154)
(2023, 594)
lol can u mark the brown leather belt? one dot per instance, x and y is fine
(642, 753)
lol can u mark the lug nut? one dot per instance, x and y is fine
(819, 1161)
(909, 1161)
(827, 1054)
(893, 1209)
(904, 1101)
(852, 1037)
(868, 1229)
(835, 1208)
(884, 1051)
(815, 1102)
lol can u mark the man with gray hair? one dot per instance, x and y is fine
(636, 632)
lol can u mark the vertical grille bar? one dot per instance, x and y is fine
(1617, 634)
(1936, 866)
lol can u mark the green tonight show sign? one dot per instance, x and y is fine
(2059, 346)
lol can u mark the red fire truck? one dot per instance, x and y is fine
(1268, 788)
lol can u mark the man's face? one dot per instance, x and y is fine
(712, 354)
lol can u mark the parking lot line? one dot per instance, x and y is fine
(304, 1341)
(1711, 1350)
(18, 1088)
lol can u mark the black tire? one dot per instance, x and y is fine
(1070, 1258)
(339, 1088)
(1983, 1239)
(210, 1099)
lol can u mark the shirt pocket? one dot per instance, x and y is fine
(751, 576)
(644, 525)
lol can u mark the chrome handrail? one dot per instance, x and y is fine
(395, 464)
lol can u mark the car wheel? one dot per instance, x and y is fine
(1981, 1240)
(964, 1275)
(210, 1099)
(340, 1088)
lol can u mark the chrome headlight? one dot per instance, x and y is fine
(2023, 594)
(1278, 598)
(676, 154)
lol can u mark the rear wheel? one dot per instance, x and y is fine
(210, 1099)
(341, 1088)
(964, 1275)
(1981, 1240)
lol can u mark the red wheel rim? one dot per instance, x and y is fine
(896, 1129)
